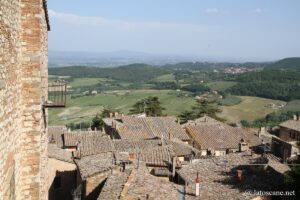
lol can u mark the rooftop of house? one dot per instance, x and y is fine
(130, 127)
(113, 186)
(91, 144)
(71, 138)
(134, 146)
(276, 164)
(291, 124)
(91, 165)
(142, 185)
(209, 133)
(218, 177)
(158, 156)
(55, 134)
(59, 154)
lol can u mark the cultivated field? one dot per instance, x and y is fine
(86, 107)
(249, 109)
(221, 85)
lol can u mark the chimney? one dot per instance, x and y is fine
(131, 156)
(243, 146)
(197, 185)
(78, 149)
(113, 124)
(52, 141)
(116, 114)
(261, 131)
(178, 120)
(295, 117)
(174, 166)
(110, 115)
(239, 175)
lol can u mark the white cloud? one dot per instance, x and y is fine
(258, 10)
(121, 24)
(94, 33)
(212, 10)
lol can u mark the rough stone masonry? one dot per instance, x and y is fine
(23, 90)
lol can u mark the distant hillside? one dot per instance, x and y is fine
(214, 65)
(111, 59)
(287, 63)
(132, 73)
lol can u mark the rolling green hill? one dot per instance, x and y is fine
(132, 73)
(287, 63)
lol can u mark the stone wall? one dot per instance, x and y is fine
(23, 89)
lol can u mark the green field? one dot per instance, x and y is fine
(292, 106)
(220, 85)
(249, 109)
(165, 78)
(86, 107)
(230, 100)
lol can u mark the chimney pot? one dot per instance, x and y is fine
(295, 117)
(197, 185)
(239, 175)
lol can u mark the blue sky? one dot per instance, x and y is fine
(229, 29)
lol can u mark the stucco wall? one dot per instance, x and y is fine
(67, 172)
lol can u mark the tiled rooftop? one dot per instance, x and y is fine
(218, 177)
(142, 184)
(71, 138)
(291, 124)
(133, 146)
(113, 186)
(209, 133)
(130, 127)
(94, 164)
(159, 156)
(55, 134)
(58, 153)
(91, 144)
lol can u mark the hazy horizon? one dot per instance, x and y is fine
(256, 30)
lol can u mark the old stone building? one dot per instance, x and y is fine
(215, 138)
(23, 92)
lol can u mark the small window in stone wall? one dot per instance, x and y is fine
(57, 182)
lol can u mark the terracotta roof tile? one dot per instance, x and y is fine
(72, 138)
(113, 186)
(55, 134)
(94, 164)
(143, 185)
(217, 135)
(218, 178)
(291, 124)
(59, 153)
(130, 127)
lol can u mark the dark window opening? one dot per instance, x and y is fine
(57, 182)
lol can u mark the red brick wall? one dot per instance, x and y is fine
(23, 74)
